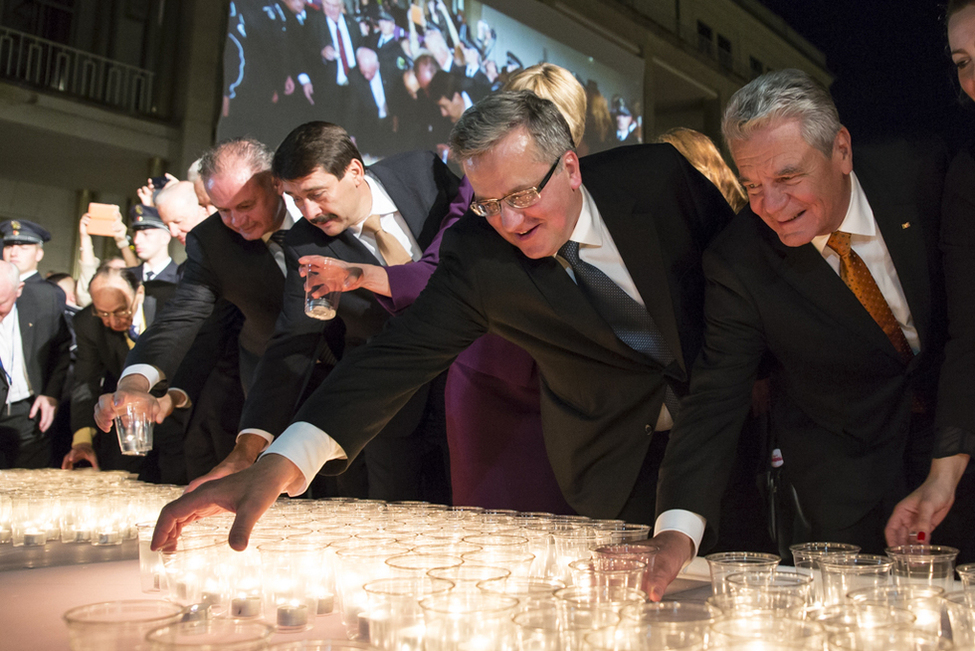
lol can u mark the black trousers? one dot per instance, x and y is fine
(22, 444)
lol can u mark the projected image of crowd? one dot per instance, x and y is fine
(397, 74)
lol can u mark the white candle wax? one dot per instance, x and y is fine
(35, 538)
(292, 615)
(244, 606)
(326, 603)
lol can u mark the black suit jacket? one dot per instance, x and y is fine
(422, 188)
(45, 336)
(600, 398)
(956, 393)
(101, 357)
(842, 406)
(220, 264)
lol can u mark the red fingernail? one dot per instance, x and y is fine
(920, 536)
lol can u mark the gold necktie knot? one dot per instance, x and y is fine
(840, 242)
(389, 247)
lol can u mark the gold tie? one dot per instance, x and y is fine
(389, 247)
(857, 277)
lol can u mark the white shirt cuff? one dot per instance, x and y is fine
(257, 432)
(307, 447)
(304, 79)
(148, 371)
(185, 402)
(687, 522)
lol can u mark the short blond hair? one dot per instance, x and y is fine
(701, 152)
(560, 87)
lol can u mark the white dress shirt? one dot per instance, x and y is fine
(341, 78)
(393, 223)
(869, 244)
(310, 448)
(378, 94)
(12, 356)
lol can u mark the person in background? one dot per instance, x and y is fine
(193, 176)
(88, 263)
(34, 356)
(924, 510)
(704, 155)
(68, 286)
(106, 330)
(151, 237)
(23, 246)
(626, 124)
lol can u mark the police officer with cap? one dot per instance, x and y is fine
(23, 246)
(151, 237)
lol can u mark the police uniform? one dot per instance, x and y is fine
(143, 218)
(21, 231)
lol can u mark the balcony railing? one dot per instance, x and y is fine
(55, 67)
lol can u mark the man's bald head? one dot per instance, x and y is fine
(115, 297)
(10, 287)
(180, 209)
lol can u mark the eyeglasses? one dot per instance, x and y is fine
(118, 314)
(521, 199)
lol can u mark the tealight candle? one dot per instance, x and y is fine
(109, 538)
(35, 538)
(244, 606)
(292, 615)
(326, 603)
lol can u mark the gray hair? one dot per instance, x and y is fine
(10, 273)
(219, 158)
(485, 124)
(193, 173)
(783, 95)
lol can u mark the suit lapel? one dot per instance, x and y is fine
(27, 317)
(805, 269)
(571, 304)
(404, 196)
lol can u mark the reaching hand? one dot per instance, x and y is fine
(111, 405)
(78, 453)
(324, 275)
(145, 194)
(289, 85)
(47, 407)
(248, 493)
(676, 550)
(918, 514)
(309, 91)
(242, 456)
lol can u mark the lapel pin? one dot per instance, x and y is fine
(906, 225)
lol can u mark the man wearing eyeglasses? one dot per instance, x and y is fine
(611, 369)
(106, 331)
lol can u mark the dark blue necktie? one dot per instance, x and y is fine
(133, 332)
(630, 321)
(278, 237)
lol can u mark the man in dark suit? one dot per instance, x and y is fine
(410, 194)
(640, 216)
(376, 105)
(341, 37)
(106, 331)
(235, 255)
(151, 237)
(34, 353)
(834, 274)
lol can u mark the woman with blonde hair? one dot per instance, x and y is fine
(701, 152)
